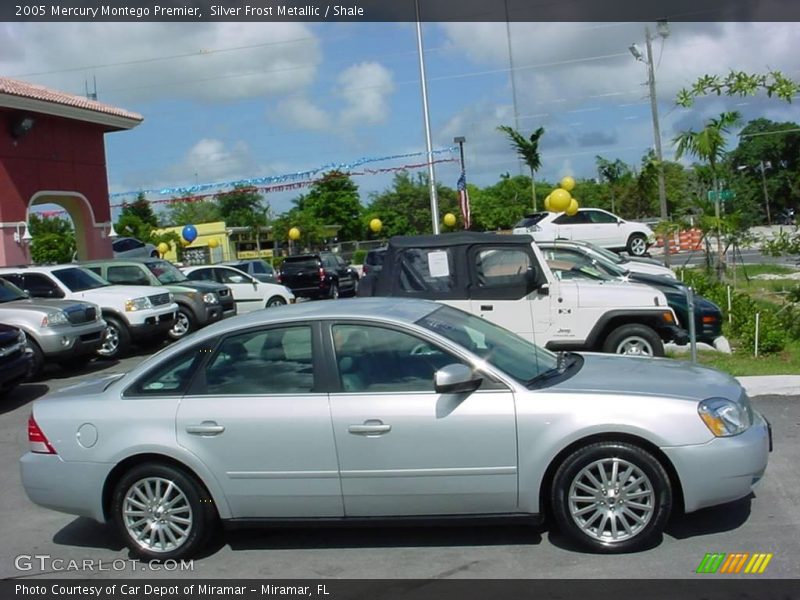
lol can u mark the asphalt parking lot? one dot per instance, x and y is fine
(767, 522)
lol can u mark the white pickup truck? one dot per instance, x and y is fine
(505, 279)
(133, 313)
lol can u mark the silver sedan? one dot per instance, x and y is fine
(391, 409)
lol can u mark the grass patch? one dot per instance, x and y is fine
(753, 270)
(786, 362)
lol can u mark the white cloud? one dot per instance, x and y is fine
(213, 160)
(365, 89)
(302, 112)
(133, 61)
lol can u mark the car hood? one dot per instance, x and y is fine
(646, 376)
(113, 293)
(617, 294)
(201, 286)
(648, 269)
(43, 305)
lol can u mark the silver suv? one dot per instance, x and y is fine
(133, 313)
(64, 331)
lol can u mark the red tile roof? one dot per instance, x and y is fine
(23, 89)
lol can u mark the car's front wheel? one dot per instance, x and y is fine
(116, 340)
(634, 340)
(637, 244)
(184, 324)
(611, 497)
(333, 293)
(161, 512)
(276, 301)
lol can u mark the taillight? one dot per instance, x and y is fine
(37, 442)
(279, 278)
(365, 269)
(321, 274)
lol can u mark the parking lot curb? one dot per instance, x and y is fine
(771, 385)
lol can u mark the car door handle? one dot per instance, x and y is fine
(205, 428)
(487, 307)
(370, 428)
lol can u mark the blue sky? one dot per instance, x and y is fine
(231, 101)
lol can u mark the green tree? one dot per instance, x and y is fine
(237, 206)
(528, 150)
(53, 239)
(186, 211)
(708, 145)
(612, 172)
(501, 205)
(334, 200)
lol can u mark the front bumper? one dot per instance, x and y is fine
(71, 487)
(674, 334)
(724, 469)
(153, 326)
(75, 341)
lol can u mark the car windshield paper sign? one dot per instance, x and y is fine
(438, 265)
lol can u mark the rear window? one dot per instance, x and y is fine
(529, 220)
(427, 270)
(375, 257)
(307, 262)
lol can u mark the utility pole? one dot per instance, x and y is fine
(766, 195)
(663, 32)
(426, 117)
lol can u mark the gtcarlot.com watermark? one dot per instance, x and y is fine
(48, 563)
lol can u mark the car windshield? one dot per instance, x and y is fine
(607, 254)
(79, 280)
(519, 358)
(9, 292)
(530, 220)
(166, 272)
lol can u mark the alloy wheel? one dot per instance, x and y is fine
(635, 346)
(157, 514)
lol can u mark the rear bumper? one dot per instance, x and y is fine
(71, 487)
(724, 469)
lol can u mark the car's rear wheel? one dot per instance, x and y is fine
(634, 340)
(276, 301)
(184, 324)
(611, 497)
(161, 512)
(116, 340)
(637, 244)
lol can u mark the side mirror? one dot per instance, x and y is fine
(544, 289)
(456, 379)
(255, 284)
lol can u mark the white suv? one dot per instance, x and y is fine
(590, 225)
(131, 312)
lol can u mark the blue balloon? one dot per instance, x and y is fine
(189, 233)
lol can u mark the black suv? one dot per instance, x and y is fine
(321, 275)
(15, 359)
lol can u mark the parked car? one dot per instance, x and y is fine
(505, 279)
(579, 262)
(16, 358)
(128, 247)
(629, 264)
(590, 225)
(260, 269)
(248, 293)
(132, 313)
(390, 408)
(61, 331)
(320, 275)
(200, 303)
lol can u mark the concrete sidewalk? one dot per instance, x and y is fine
(771, 385)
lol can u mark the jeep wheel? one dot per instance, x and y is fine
(611, 497)
(634, 340)
(637, 244)
(116, 341)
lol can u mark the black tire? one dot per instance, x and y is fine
(643, 501)
(37, 364)
(333, 291)
(117, 339)
(626, 338)
(185, 323)
(191, 499)
(276, 301)
(637, 244)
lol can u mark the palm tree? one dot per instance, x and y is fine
(708, 145)
(612, 172)
(528, 150)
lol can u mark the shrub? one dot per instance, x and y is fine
(359, 256)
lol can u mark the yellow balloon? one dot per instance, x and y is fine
(559, 200)
(375, 225)
(568, 183)
(213, 243)
(163, 248)
(294, 233)
(547, 203)
(449, 219)
(573, 207)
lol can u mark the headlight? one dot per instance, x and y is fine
(724, 417)
(210, 298)
(54, 319)
(171, 297)
(21, 337)
(138, 304)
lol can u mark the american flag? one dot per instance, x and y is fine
(463, 200)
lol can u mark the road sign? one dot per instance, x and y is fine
(724, 195)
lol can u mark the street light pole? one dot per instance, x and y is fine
(766, 195)
(426, 117)
(460, 141)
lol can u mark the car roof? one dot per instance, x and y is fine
(117, 261)
(41, 268)
(392, 310)
(464, 238)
